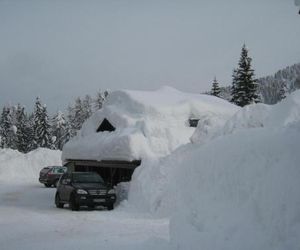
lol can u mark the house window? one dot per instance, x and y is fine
(193, 122)
(106, 126)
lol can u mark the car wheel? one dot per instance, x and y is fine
(57, 201)
(110, 207)
(73, 205)
(47, 185)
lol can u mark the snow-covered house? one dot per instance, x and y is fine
(136, 125)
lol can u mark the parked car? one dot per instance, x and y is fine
(49, 176)
(84, 189)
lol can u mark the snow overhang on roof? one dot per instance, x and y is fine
(146, 123)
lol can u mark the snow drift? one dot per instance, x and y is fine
(149, 124)
(235, 187)
(18, 166)
(242, 196)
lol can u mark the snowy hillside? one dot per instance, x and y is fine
(287, 79)
(238, 190)
(16, 166)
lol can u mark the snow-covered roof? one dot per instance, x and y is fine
(147, 124)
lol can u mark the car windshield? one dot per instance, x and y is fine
(87, 178)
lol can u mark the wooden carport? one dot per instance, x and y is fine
(112, 171)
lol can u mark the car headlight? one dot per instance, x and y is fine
(112, 191)
(81, 191)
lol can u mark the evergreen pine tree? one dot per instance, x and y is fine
(42, 136)
(76, 116)
(59, 130)
(36, 123)
(45, 130)
(234, 95)
(8, 129)
(70, 121)
(29, 132)
(244, 90)
(67, 134)
(282, 92)
(99, 100)
(87, 107)
(12, 133)
(215, 90)
(5, 125)
(22, 143)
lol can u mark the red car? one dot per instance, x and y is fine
(49, 176)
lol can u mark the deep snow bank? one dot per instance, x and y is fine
(236, 188)
(283, 114)
(240, 191)
(18, 166)
(148, 124)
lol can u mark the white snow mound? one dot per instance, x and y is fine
(284, 114)
(238, 190)
(149, 124)
(16, 166)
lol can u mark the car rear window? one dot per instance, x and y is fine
(45, 170)
(59, 170)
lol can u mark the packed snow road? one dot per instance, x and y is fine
(30, 220)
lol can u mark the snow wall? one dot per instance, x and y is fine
(16, 166)
(232, 188)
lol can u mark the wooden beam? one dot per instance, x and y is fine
(105, 163)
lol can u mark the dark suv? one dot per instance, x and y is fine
(49, 176)
(84, 189)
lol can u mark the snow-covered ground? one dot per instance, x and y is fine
(30, 220)
(235, 186)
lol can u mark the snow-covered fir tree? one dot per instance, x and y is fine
(13, 130)
(22, 137)
(27, 132)
(70, 120)
(5, 127)
(8, 128)
(29, 128)
(234, 94)
(270, 87)
(282, 91)
(100, 99)
(244, 84)
(77, 115)
(37, 114)
(42, 136)
(87, 107)
(215, 90)
(59, 130)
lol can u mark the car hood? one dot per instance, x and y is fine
(90, 185)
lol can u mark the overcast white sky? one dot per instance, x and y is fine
(62, 49)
